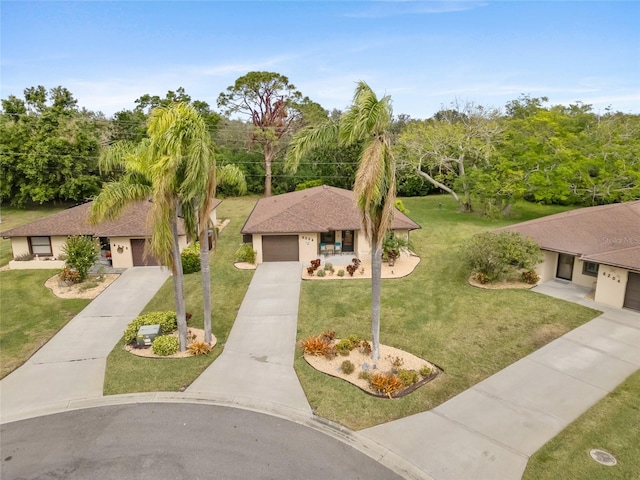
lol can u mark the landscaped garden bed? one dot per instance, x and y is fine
(395, 374)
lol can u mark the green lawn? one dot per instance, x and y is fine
(30, 315)
(613, 425)
(13, 217)
(434, 314)
(127, 373)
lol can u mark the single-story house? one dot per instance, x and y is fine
(122, 240)
(596, 247)
(302, 225)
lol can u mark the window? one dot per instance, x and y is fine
(40, 245)
(590, 268)
(328, 237)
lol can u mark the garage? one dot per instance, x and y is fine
(632, 294)
(137, 253)
(280, 248)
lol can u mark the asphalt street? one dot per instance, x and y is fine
(176, 441)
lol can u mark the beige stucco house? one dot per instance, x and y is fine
(122, 241)
(303, 225)
(596, 247)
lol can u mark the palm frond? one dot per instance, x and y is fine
(308, 138)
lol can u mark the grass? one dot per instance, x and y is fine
(127, 373)
(611, 425)
(13, 217)
(30, 314)
(434, 314)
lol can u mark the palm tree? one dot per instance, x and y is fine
(365, 123)
(172, 168)
(229, 175)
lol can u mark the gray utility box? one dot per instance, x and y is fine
(147, 334)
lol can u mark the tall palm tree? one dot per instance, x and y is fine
(173, 169)
(229, 175)
(366, 123)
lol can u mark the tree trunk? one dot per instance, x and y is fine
(206, 279)
(178, 286)
(268, 159)
(376, 284)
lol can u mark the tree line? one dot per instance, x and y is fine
(484, 157)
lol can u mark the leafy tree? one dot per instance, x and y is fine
(367, 124)
(131, 125)
(48, 148)
(444, 149)
(500, 255)
(569, 155)
(82, 253)
(275, 109)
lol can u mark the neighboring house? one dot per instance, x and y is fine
(122, 240)
(596, 247)
(301, 226)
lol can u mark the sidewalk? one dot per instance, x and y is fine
(491, 430)
(256, 366)
(71, 365)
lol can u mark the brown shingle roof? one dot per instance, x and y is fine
(73, 221)
(608, 234)
(318, 209)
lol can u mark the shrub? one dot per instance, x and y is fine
(426, 371)
(69, 275)
(309, 184)
(24, 257)
(530, 277)
(408, 377)
(318, 346)
(328, 266)
(347, 367)
(82, 253)
(199, 348)
(330, 335)
(246, 253)
(165, 345)
(393, 246)
(385, 383)
(168, 322)
(482, 278)
(499, 255)
(399, 204)
(364, 347)
(344, 346)
(365, 375)
(322, 273)
(341, 273)
(396, 362)
(191, 258)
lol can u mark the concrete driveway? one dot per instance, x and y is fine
(256, 366)
(72, 364)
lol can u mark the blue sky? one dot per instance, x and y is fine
(424, 54)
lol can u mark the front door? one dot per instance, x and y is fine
(565, 266)
(347, 240)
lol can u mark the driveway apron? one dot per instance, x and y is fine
(71, 365)
(491, 430)
(256, 366)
